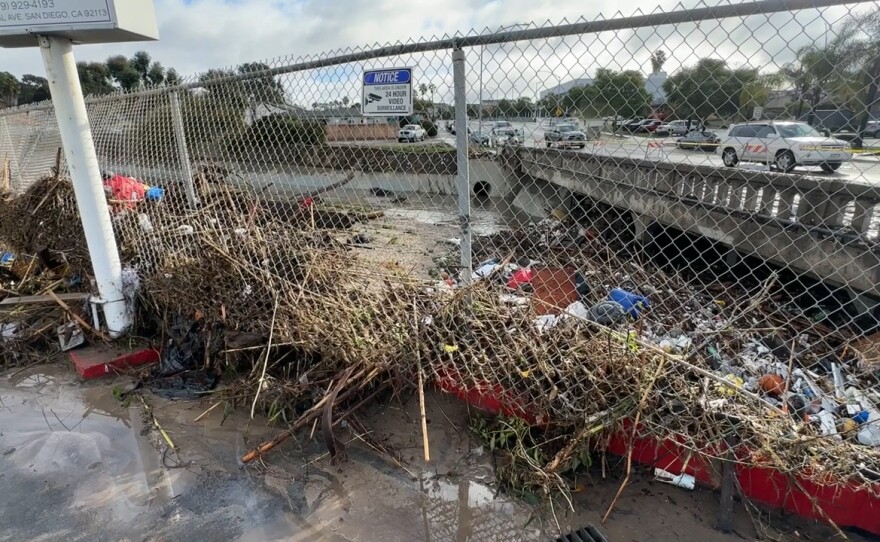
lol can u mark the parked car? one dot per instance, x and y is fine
(676, 128)
(412, 133)
(483, 139)
(784, 145)
(704, 141)
(501, 124)
(630, 125)
(872, 129)
(506, 136)
(565, 135)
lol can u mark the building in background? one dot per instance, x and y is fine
(562, 88)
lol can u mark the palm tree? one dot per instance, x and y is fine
(658, 58)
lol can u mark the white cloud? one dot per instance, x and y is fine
(201, 34)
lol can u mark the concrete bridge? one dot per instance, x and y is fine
(819, 226)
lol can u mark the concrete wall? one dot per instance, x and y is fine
(651, 196)
(360, 132)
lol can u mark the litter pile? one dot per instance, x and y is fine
(581, 335)
(571, 335)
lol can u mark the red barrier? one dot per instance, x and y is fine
(844, 503)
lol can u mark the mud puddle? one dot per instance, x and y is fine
(77, 464)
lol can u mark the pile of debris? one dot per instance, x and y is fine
(575, 333)
(571, 334)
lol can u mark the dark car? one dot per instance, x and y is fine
(481, 138)
(565, 136)
(704, 141)
(647, 126)
(630, 125)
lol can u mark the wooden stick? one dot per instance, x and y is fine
(303, 420)
(77, 317)
(266, 360)
(728, 487)
(205, 413)
(629, 462)
(425, 443)
(4, 179)
(788, 376)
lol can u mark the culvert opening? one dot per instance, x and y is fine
(482, 189)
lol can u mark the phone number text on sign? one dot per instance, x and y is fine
(35, 13)
(27, 4)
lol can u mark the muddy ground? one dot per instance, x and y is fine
(78, 464)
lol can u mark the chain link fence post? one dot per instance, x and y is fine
(462, 176)
(182, 150)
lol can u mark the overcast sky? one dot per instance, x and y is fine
(199, 34)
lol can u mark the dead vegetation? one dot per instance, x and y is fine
(306, 336)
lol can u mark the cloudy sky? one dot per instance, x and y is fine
(199, 34)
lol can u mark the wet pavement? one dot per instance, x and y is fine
(75, 464)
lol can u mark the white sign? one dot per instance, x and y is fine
(29, 14)
(81, 21)
(387, 93)
(757, 112)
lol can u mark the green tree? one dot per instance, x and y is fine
(34, 89)
(756, 93)
(708, 88)
(171, 77)
(156, 75)
(10, 88)
(261, 88)
(123, 73)
(94, 78)
(141, 63)
(620, 93)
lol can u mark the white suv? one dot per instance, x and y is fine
(783, 144)
(412, 132)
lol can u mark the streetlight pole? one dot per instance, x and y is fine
(483, 47)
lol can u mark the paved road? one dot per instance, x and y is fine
(865, 169)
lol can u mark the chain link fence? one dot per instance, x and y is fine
(669, 227)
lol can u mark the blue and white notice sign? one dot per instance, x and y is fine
(387, 93)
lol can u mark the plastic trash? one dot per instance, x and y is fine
(631, 303)
(145, 222)
(827, 423)
(6, 258)
(155, 193)
(486, 268)
(578, 310)
(607, 313)
(520, 277)
(581, 286)
(8, 332)
(70, 336)
(685, 481)
(861, 417)
(869, 436)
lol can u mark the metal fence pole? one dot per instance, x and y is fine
(82, 162)
(463, 177)
(182, 151)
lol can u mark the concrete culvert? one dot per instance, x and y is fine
(482, 189)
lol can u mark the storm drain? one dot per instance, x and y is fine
(584, 534)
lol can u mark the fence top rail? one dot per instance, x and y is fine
(720, 11)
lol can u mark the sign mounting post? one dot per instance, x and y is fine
(54, 26)
(387, 93)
